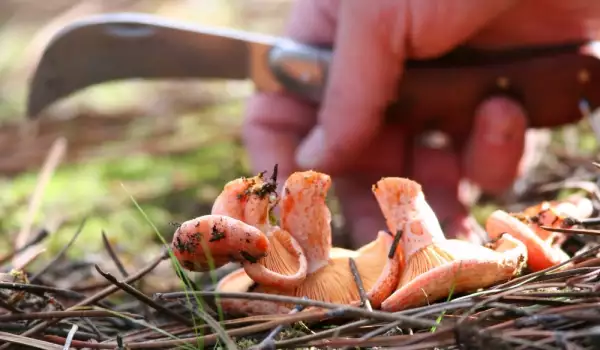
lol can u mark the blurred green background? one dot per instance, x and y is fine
(171, 145)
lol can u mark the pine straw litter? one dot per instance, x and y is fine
(549, 309)
(543, 310)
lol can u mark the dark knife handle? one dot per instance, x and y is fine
(443, 93)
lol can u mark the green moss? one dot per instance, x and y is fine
(168, 188)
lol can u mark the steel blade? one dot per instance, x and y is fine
(120, 46)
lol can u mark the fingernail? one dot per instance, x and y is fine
(311, 151)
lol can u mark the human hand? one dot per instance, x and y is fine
(346, 137)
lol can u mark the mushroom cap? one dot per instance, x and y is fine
(305, 215)
(285, 265)
(543, 214)
(333, 282)
(369, 259)
(455, 266)
(574, 206)
(217, 240)
(250, 200)
(395, 196)
(405, 210)
(583, 207)
(553, 214)
(540, 254)
(238, 281)
(247, 199)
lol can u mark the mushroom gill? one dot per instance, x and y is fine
(251, 200)
(435, 266)
(306, 216)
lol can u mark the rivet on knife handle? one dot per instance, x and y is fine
(302, 69)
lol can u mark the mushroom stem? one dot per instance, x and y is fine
(303, 197)
(284, 266)
(219, 238)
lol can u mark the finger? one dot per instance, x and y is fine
(438, 171)
(275, 123)
(372, 41)
(496, 145)
(313, 21)
(383, 157)
(363, 218)
(362, 78)
(273, 127)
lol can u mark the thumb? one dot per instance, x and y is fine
(372, 41)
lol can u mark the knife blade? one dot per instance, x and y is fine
(437, 93)
(116, 46)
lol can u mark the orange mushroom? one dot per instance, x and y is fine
(211, 241)
(544, 247)
(555, 214)
(435, 266)
(250, 200)
(305, 215)
(541, 253)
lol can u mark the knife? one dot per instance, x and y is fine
(437, 93)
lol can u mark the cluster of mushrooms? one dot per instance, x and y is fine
(410, 264)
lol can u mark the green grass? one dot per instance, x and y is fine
(173, 188)
(182, 274)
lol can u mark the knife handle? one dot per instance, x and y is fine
(443, 93)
